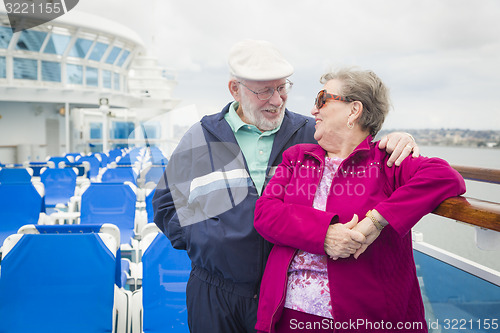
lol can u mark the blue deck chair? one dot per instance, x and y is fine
(149, 206)
(135, 153)
(15, 175)
(61, 283)
(154, 174)
(114, 154)
(72, 156)
(104, 159)
(20, 204)
(57, 160)
(119, 175)
(164, 279)
(38, 166)
(81, 167)
(59, 186)
(94, 165)
(159, 159)
(122, 265)
(125, 161)
(111, 203)
(157, 155)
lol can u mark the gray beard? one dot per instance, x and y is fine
(260, 122)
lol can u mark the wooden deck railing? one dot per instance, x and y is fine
(485, 214)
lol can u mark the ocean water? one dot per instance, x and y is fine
(459, 238)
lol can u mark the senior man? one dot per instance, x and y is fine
(205, 202)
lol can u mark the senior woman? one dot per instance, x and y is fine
(327, 272)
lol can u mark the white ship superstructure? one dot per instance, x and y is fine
(54, 77)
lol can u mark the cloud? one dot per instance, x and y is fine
(440, 58)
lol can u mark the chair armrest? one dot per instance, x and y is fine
(121, 310)
(136, 312)
(64, 218)
(141, 219)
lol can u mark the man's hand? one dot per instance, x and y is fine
(399, 145)
(341, 241)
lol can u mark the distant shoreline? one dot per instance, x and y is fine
(488, 139)
(457, 145)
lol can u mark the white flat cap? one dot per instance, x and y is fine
(258, 60)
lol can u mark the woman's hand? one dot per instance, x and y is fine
(341, 240)
(369, 230)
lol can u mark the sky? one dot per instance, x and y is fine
(440, 58)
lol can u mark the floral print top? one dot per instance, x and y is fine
(307, 288)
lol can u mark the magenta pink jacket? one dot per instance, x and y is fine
(380, 287)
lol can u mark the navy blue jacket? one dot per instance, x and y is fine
(205, 202)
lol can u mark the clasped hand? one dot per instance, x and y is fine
(351, 238)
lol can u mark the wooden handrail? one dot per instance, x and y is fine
(485, 214)
(479, 174)
(481, 213)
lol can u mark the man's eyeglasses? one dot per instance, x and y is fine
(266, 94)
(323, 96)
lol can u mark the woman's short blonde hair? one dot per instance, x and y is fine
(364, 86)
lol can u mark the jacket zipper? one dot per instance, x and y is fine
(284, 291)
(295, 252)
(266, 181)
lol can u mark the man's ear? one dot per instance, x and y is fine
(234, 89)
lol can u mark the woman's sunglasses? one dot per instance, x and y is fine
(323, 96)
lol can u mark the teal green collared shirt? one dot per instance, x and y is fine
(255, 145)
